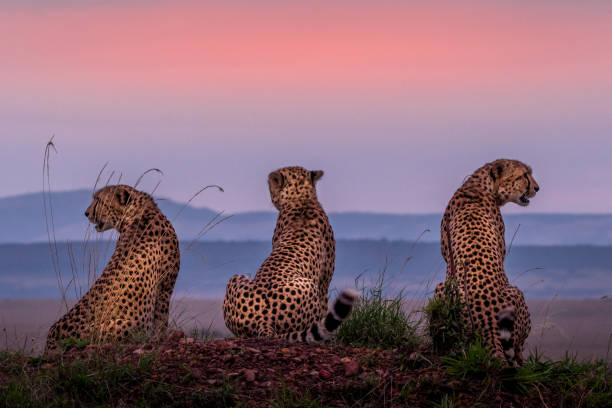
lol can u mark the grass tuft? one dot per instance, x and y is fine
(473, 363)
(447, 329)
(567, 382)
(379, 322)
(573, 383)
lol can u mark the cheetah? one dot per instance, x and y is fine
(133, 292)
(474, 248)
(287, 298)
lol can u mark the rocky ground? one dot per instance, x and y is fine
(258, 373)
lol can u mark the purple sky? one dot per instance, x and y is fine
(397, 104)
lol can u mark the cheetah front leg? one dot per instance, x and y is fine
(76, 323)
(487, 326)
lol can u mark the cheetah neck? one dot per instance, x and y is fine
(294, 217)
(139, 222)
(479, 186)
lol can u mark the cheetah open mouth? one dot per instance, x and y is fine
(100, 226)
(525, 198)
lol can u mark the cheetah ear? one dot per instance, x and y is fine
(315, 175)
(276, 180)
(123, 196)
(496, 171)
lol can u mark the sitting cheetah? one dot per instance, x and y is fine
(474, 248)
(134, 290)
(287, 298)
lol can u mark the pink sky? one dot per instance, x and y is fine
(372, 92)
(293, 49)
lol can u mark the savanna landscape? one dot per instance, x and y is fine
(384, 351)
(332, 177)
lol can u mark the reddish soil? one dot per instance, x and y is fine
(260, 371)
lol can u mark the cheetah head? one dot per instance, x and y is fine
(513, 181)
(112, 206)
(293, 185)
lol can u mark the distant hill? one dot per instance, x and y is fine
(22, 220)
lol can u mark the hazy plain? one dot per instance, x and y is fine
(581, 327)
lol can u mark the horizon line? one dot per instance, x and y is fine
(373, 212)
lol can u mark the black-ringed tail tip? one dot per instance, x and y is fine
(325, 328)
(506, 328)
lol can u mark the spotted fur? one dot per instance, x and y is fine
(473, 246)
(133, 292)
(287, 298)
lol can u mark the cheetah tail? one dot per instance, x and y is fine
(325, 328)
(505, 322)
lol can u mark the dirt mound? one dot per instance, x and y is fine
(259, 372)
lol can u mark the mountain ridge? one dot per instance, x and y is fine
(23, 221)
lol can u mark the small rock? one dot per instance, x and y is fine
(345, 360)
(351, 368)
(253, 350)
(249, 375)
(189, 340)
(325, 375)
(284, 350)
(138, 352)
(211, 382)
